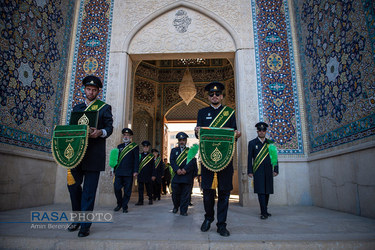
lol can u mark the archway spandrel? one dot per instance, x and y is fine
(182, 30)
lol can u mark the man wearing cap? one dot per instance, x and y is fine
(206, 118)
(159, 171)
(260, 168)
(128, 162)
(183, 174)
(146, 171)
(88, 171)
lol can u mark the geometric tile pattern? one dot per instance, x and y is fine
(34, 46)
(91, 52)
(276, 79)
(337, 57)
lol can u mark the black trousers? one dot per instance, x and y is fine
(181, 195)
(222, 205)
(83, 199)
(141, 189)
(263, 202)
(165, 183)
(125, 182)
(156, 188)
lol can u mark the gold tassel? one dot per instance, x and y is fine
(135, 182)
(214, 181)
(113, 181)
(199, 167)
(70, 178)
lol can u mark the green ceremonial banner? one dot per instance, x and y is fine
(216, 147)
(84, 118)
(69, 144)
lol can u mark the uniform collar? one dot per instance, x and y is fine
(263, 140)
(89, 103)
(216, 107)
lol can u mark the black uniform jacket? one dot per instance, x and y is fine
(190, 168)
(167, 173)
(147, 171)
(130, 163)
(225, 176)
(263, 177)
(159, 171)
(94, 159)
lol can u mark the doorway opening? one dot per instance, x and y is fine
(169, 93)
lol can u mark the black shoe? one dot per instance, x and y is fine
(158, 198)
(83, 233)
(184, 214)
(223, 231)
(191, 204)
(269, 215)
(263, 216)
(117, 208)
(175, 210)
(139, 203)
(73, 227)
(205, 225)
(150, 202)
(125, 211)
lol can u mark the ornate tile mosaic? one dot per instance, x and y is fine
(144, 91)
(91, 52)
(277, 88)
(337, 57)
(34, 47)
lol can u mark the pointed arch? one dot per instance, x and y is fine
(181, 111)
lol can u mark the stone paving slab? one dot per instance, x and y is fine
(155, 227)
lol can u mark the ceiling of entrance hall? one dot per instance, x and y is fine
(157, 83)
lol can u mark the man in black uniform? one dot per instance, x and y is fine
(259, 166)
(88, 171)
(205, 118)
(181, 182)
(159, 171)
(127, 168)
(145, 172)
(166, 179)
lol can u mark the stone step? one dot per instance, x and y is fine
(155, 227)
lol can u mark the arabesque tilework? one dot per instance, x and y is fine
(337, 55)
(34, 46)
(276, 79)
(91, 52)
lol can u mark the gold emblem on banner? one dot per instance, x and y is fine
(83, 120)
(94, 107)
(226, 113)
(69, 152)
(216, 155)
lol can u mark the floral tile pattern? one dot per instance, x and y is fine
(277, 88)
(91, 53)
(337, 56)
(34, 45)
